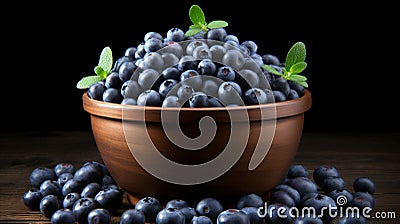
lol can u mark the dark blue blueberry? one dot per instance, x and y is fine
(291, 191)
(171, 73)
(118, 63)
(332, 183)
(369, 197)
(233, 216)
(254, 96)
(151, 34)
(99, 216)
(250, 200)
(61, 168)
(297, 87)
(324, 205)
(278, 213)
(251, 45)
(189, 213)
(207, 67)
(149, 98)
(50, 187)
(107, 179)
(89, 173)
(198, 99)
(153, 45)
(303, 185)
(113, 81)
(307, 196)
(308, 220)
(364, 184)
(187, 62)
(171, 101)
(324, 171)
(217, 34)
(40, 174)
(353, 219)
(112, 95)
(270, 59)
(83, 207)
(226, 73)
(231, 37)
(150, 207)
(90, 190)
(48, 205)
(214, 102)
(297, 171)
(32, 199)
(130, 52)
(132, 216)
(110, 199)
(292, 95)
(72, 185)
(170, 216)
(209, 207)
(96, 90)
(126, 70)
(252, 214)
(140, 52)
(166, 86)
(98, 165)
(128, 101)
(360, 202)
(201, 220)
(282, 197)
(70, 199)
(176, 35)
(282, 85)
(342, 193)
(63, 216)
(177, 203)
(130, 89)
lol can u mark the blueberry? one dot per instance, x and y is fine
(173, 48)
(40, 174)
(130, 52)
(191, 77)
(278, 213)
(50, 187)
(226, 73)
(297, 87)
(202, 52)
(97, 165)
(150, 35)
(250, 77)
(150, 207)
(153, 45)
(189, 213)
(149, 98)
(297, 171)
(332, 183)
(255, 96)
(360, 202)
(132, 216)
(110, 199)
(148, 78)
(209, 207)
(193, 45)
(112, 95)
(270, 59)
(249, 200)
(230, 93)
(83, 207)
(292, 95)
(175, 34)
(126, 70)
(217, 52)
(129, 101)
(171, 101)
(324, 171)
(63, 216)
(282, 197)
(282, 85)
(89, 173)
(96, 90)
(308, 220)
(233, 216)
(232, 37)
(369, 197)
(198, 99)
(171, 73)
(185, 92)
(61, 168)
(70, 199)
(177, 203)
(32, 199)
(307, 196)
(324, 206)
(130, 89)
(364, 184)
(170, 216)
(251, 45)
(72, 185)
(169, 60)
(99, 216)
(279, 96)
(342, 193)
(113, 81)
(49, 205)
(352, 220)
(140, 51)
(257, 59)
(217, 34)
(233, 58)
(90, 190)
(107, 179)
(166, 86)
(154, 61)
(252, 214)
(291, 191)
(201, 220)
(207, 67)
(303, 185)
(214, 102)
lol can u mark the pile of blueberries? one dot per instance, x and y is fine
(89, 195)
(210, 69)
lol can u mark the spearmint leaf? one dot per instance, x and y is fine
(100, 72)
(271, 69)
(192, 32)
(192, 27)
(298, 67)
(196, 15)
(106, 59)
(297, 53)
(217, 24)
(87, 81)
(303, 84)
(297, 78)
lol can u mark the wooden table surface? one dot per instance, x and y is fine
(376, 155)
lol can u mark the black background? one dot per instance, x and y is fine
(351, 54)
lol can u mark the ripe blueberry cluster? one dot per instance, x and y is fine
(209, 69)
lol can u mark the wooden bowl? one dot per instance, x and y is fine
(110, 121)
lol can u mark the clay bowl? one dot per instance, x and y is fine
(122, 136)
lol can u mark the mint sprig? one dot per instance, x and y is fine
(294, 64)
(198, 19)
(101, 70)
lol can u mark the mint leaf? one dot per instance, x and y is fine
(217, 24)
(303, 84)
(87, 81)
(192, 32)
(192, 27)
(297, 78)
(298, 67)
(297, 53)
(196, 15)
(106, 59)
(100, 72)
(271, 69)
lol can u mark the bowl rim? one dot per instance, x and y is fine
(278, 109)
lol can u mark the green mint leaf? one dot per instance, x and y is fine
(298, 67)
(100, 72)
(271, 69)
(106, 59)
(217, 24)
(192, 32)
(296, 54)
(87, 81)
(196, 15)
(297, 78)
(303, 84)
(193, 27)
